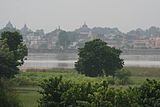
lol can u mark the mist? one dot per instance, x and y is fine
(71, 14)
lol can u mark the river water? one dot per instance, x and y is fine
(49, 60)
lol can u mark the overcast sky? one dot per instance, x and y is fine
(71, 14)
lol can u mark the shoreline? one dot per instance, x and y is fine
(69, 64)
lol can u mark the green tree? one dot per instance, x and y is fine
(8, 66)
(66, 38)
(97, 59)
(12, 53)
(15, 44)
(73, 36)
(63, 40)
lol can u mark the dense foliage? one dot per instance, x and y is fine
(65, 39)
(149, 94)
(59, 93)
(12, 53)
(7, 96)
(96, 59)
(8, 67)
(122, 77)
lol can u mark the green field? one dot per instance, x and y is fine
(28, 96)
(26, 83)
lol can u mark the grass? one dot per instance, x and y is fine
(27, 81)
(28, 96)
(140, 74)
(144, 72)
(137, 80)
(31, 78)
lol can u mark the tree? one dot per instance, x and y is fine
(73, 36)
(97, 59)
(66, 38)
(63, 40)
(12, 53)
(8, 66)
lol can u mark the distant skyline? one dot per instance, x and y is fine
(71, 14)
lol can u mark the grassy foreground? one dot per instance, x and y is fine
(28, 96)
(27, 82)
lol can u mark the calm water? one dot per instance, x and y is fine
(67, 60)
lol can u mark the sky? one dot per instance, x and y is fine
(71, 14)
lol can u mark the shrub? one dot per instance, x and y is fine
(111, 80)
(52, 92)
(7, 97)
(59, 93)
(122, 77)
(149, 94)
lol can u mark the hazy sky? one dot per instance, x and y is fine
(71, 14)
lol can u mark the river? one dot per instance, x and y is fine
(49, 60)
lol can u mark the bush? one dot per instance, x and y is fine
(52, 92)
(59, 93)
(122, 77)
(7, 97)
(111, 80)
(149, 94)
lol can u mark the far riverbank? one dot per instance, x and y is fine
(67, 60)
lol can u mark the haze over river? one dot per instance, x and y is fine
(67, 60)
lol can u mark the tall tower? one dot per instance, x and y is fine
(85, 25)
(9, 25)
(25, 28)
(59, 28)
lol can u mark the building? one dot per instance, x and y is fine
(154, 42)
(142, 44)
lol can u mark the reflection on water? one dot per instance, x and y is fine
(142, 63)
(63, 65)
(70, 64)
(48, 64)
(68, 60)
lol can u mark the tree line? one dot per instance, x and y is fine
(95, 59)
(57, 92)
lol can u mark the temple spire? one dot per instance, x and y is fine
(85, 25)
(9, 25)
